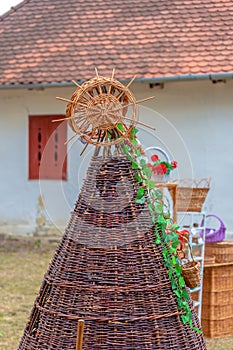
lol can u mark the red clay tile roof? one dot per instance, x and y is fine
(45, 41)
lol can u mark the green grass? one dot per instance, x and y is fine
(21, 273)
(22, 266)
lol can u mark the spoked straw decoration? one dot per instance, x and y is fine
(98, 106)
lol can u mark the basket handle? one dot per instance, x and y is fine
(191, 252)
(217, 217)
(160, 150)
(190, 249)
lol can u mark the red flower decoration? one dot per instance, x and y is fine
(154, 158)
(164, 168)
(183, 237)
(154, 168)
(159, 169)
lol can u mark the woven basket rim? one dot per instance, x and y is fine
(193, 183)
(194, 188)
(222, 244)
(191, 265)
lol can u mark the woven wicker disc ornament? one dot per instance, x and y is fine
(98, 106)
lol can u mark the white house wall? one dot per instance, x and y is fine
(193, 121)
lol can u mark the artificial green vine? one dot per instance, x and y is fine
(165, 229)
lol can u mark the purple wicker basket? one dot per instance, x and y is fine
(213, 235)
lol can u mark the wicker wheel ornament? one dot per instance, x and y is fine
(96, 108)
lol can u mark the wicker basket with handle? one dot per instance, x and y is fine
(213, 235)
(191, 271)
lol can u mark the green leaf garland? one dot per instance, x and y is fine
(165, 229)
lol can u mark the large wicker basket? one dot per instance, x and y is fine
(217, 300)
(222, 251)
(191, 194)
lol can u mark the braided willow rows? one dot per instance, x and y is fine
(108, 271)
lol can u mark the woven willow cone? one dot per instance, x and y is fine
(108, 271)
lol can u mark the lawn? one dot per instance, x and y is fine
(22, 266)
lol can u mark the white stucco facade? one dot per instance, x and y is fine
(194, 118)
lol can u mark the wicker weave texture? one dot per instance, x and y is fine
(219, 278)
(218, 328)
(191, 273)
(97, 107)
(191, 194)
(217, 303)
(217, 298)
(222, 251)
(191, 199)
(218, 312)
(108, 271)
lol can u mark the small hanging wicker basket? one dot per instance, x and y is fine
(191, 271)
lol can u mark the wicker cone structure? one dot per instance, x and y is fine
(108, 271)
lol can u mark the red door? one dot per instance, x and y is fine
(47, 152)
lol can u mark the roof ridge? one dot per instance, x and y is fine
(13, 9)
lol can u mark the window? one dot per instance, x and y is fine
(47, 152)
